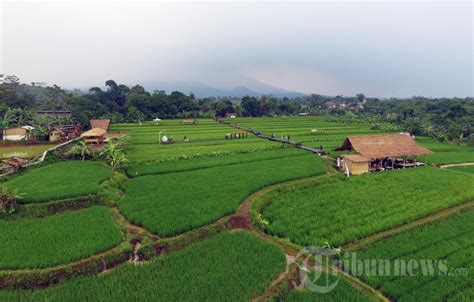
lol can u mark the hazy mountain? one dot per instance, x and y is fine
(250, 87)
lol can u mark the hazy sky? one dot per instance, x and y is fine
(378, 48)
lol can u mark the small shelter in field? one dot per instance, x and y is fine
(189, 121)
(103, 124)
(95, 136)
(380, 152)
(230, 115)
(15, 134)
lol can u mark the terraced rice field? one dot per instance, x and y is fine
(141, 169)
(57, 239)
(59, 181)
(444, 254)
(330, 135)
(172, 190)
(232, 266)
(465, 169)
(173, 203)
(205, 139)
(345, 211)
(344, 291)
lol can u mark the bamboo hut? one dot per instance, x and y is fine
(95, 136)
(380, 152)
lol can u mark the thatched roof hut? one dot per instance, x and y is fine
(385, 145)
(95, 135)
(379, 152)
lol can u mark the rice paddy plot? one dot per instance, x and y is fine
(444, 255)
(351, 209)
(203, 139)
(173, 203)
(465, 169)
(343, 290)
(222, 160)
(233, 266)
(316, 131)
(59, 181)
(57, 239)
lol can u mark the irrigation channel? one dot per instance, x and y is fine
(260, 134)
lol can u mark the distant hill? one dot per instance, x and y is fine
(251, 88)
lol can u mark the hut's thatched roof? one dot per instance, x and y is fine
(94, 132)
(355, 158)
(387, 145)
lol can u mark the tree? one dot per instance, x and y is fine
(81, 149)
(250, 106)
(114, 154)
(135, 115)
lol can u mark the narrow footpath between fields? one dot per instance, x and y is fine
(260, 134)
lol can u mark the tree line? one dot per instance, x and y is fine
(442, 118)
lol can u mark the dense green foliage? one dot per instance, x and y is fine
(173, 203)
(232, 266)
(59, 181)
(347, 210)
(57, 239)
(449, 240)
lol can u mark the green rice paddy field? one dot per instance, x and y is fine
(57, 239)
(331, 135)
(344, 211)
(449, 241)
(59, 181)
(175, 188)
(232, 266)
(172, 203)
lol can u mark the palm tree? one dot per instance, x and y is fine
(82, 149)
(114, 155)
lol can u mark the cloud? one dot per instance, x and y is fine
(381, 49)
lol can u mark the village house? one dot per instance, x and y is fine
(18, 134)
(230, 115)
(379, 152)
(54, 113)
(65, 133)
